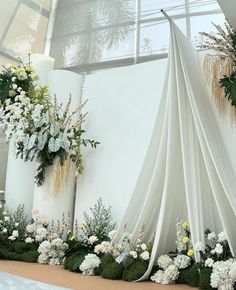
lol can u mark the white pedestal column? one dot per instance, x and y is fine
(63, 84)
(20, 174)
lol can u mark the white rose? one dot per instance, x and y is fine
(222, 237)
(15, 233)
(13, 79)
(4, 231)
(14, 86)
(11, 238)
(199, 247)
(133, 254)
(6, 218)
(219, 249)
(144, 255)
(209, 262)
(144, 247)
(211, 236)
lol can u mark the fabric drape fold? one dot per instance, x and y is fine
(187, 172)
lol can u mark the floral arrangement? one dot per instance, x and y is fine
(220, 68)
(42, 129)
(91, 262)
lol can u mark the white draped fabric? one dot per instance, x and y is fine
(187, 172)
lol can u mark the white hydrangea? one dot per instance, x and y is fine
(221, 273)
(199, 247)
(143, 246)
(164, 262)
(158, 277)
(182, 261)
(145, 255)
(91, 261)
(171, 274)
(218, 249)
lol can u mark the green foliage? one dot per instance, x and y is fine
(21, 217)
(205, 278)
(5, 82)
(113, 271)
(21, 247)
(134, 271)
(99, 222)
(30, 256)
(73, 261)
(229, 85)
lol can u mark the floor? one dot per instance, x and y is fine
(58, 276)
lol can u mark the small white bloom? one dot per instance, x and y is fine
(219, 249)
(211, 236)
(199, 247)
(6, 218)
(209, 262)
(4, 230)
(133, 254)
(222, 237)
(11, 238)
(15, 234)
(145, 255)
(14, 86)
(29, 240)
(158, 277)
(16, 224)
(144, 247)
(13, 79)
(182, 261)
(92, 239)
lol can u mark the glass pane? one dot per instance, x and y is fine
(27, 31)
(155, 36)
(151, 8)
(6, 14)
(204, 24)
(203, 5)
(91, 31)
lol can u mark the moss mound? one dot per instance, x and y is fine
(134, 271)
(191, 276)
(113, 271)
(74, 261)
(205, 278)
(105, 262)
(30, 256)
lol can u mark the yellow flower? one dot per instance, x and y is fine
(72, 238)
(81, 226)
(68, 232)
(190, 253)
(185, 240)
(185, 224)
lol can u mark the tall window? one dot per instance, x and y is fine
(91, 34)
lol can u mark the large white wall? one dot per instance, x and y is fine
(122, 107)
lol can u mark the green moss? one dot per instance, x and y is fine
(105, 262)
(113, 271)
(205, 278)
(181, 278)
(134, 271)
(3, 253)
(18, 247)
(154, 270)
(191, 276)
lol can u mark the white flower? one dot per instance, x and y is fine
(30, 228)
(211, 236)
(105, 247)
(16, 224)
(11, 238)
(218, 249)
(14, 86)
(91, 261)
(222, 237)
(4, 230)
(112, 234)
(12, 93)
(29, 240)
(133, 254)
(144, 247)
(145, 255)
(232, 272)
(182, 261)
(44, 247)
(221, 273)
(164, 261)
(15, 234)
(171, 274)
(209, 262)
(199, 247)
(13, 79)
(158, 277)
(19, 89)
(92, 239)
(6, 218)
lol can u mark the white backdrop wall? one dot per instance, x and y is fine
(122, 107)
